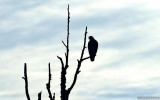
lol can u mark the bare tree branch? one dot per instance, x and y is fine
(84, 45)
(85, 58)
(48, 84)
(39, 95)
(79, 63)
(61, 61)
(64, 92)
(26, 81)
(64, 43)
(67, 49)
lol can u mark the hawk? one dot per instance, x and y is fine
(92, 47)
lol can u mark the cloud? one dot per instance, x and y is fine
(127, 62)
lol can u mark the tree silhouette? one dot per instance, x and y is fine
(64, 92)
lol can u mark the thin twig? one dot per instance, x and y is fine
(26, 81)
(79, 63)
(48, 84)
(85, 58)
(64, 43)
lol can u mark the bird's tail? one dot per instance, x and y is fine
(92, 58)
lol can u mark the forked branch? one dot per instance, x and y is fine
(79, 63)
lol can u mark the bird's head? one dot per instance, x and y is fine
(91, 37)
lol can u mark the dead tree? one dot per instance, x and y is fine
(65, 92)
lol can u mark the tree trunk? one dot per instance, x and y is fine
(65, 95)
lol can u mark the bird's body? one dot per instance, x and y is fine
(92, 48)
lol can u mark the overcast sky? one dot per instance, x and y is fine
(127, 63)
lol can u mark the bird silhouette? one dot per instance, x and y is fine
(92, 48)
